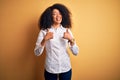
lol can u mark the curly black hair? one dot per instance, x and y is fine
(46, 20)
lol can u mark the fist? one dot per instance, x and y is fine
(67, 35)
(49, 35)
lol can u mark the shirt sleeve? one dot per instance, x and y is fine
(74, 48)
(39, 48)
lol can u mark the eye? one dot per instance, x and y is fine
(60, 13)
(53, 14)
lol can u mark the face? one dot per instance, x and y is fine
(57, 17)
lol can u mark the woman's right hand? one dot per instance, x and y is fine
(49, 35)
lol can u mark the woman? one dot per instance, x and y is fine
(55, 36)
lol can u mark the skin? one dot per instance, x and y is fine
(57, 19)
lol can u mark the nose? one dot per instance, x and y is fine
(58, 15)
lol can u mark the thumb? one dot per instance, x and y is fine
(47, 30)
(67, 30)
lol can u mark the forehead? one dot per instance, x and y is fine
(56, 11)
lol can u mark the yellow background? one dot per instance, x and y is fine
(96, 28)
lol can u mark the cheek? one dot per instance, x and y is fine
(60, 16)
(53, 17)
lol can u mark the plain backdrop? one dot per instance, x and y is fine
(96, 28)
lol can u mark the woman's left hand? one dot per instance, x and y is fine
(67, 35)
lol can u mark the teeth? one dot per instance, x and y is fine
(58, 19)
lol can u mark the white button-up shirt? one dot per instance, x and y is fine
(57, 57)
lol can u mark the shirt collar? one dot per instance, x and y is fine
(61, 27)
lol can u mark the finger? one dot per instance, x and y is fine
(67, 30)
(47, 30)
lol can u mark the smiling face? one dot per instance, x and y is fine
(57, 17)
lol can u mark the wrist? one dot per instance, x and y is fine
(43, 42)
(45, 39)
(71, 40)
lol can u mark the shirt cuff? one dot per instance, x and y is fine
(38, 50)
(74, 49)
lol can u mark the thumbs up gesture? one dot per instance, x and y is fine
(67, 35)
(49, 35)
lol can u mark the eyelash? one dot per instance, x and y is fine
(55, 14)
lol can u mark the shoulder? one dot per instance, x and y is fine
(42, 32)
(64, 29)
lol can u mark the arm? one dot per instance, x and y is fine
(72, 44)
(39, 48)
(41, 41)
(74, 48)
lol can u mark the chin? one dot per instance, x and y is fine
(58, 22)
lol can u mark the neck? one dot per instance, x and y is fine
(56, 25)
